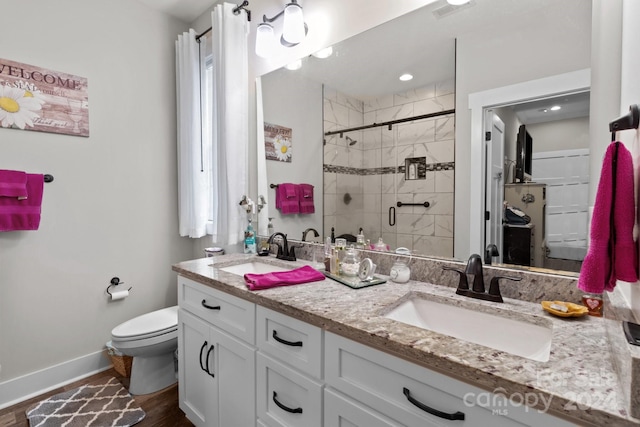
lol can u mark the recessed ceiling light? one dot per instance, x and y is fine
(323, 53)
(457, 2)
(406, 77)
(295, 65)
(555, 108)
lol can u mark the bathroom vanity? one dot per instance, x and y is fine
(323, 354)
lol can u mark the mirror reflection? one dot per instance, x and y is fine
(537, 175)
(358, 171)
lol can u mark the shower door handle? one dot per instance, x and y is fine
(392, 216)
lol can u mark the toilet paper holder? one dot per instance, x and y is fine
(115, 281)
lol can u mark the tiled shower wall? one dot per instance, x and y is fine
(364, 171)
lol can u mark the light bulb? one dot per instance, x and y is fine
(295, 65)
(293, 31)
(324, 53)
(265, 40)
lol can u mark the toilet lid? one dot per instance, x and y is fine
(150, 324)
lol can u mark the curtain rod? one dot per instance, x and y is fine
(236, 11)
(391, 122)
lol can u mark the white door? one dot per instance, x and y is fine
(494, 180)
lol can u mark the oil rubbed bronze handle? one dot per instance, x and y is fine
(210, 307)
(285, 408)
(285, 342)
(207, 360)
(201, 350)
(455, 416)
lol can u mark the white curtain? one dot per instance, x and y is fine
(193, 200)
(263, 185)
(230, 123)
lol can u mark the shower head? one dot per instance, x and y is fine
(351, 140)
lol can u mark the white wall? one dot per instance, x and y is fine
(111, 210)
(569, 134)
(526, 49)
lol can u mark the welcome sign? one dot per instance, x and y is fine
(34, 98)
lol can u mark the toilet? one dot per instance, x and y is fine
(151, 339)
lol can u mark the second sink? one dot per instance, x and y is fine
(517, 337)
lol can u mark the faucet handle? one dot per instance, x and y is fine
(494, 286)
(464, 284)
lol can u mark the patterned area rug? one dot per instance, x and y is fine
(100, 404)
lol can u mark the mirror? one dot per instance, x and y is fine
(541, 149)
(424, 39)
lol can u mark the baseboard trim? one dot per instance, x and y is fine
(27, 386)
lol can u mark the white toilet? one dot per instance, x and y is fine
(152, 340)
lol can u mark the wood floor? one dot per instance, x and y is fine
(161, 407)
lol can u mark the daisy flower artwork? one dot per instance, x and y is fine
(277, 140)
(34, 98)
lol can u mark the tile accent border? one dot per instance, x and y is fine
(384, 171)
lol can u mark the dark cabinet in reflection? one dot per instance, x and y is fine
(517, 244)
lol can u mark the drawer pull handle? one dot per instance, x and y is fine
(207, 360)
(210, 307)
(201, 350)
(284, 408)
(455, 416)
(285, 342)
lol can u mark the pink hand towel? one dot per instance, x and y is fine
(24, 214)
(13, 184)
(605, 261)
(306, 198)
(287, 198)
(304, 274)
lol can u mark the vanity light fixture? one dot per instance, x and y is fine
(294, 30)
(457, 2)
(406, 77)
(324, 53)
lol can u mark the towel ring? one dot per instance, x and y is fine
(115, 282)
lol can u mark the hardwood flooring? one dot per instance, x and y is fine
(161, 407)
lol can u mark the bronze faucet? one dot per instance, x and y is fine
(304, 233)
(478, 291)
(283, 251)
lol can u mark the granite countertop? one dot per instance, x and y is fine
(579, 382)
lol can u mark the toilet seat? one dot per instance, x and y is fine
(154, 324)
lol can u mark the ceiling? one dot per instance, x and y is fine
(185, 10)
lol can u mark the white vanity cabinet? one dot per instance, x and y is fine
(405, 394)
(216, 355)
(289, 371)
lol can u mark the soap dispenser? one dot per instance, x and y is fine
(249, 239)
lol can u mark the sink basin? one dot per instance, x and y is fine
(517, 337)
(253, 267)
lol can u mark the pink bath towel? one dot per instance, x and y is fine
(16, 214)
(304, 274)
(612, 253)
(13, 184)
(287, 198)
(306, 198)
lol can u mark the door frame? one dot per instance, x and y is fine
(572, 82)
(492, 122)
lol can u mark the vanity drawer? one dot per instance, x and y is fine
(390, 384)
(340, 411)
(231, 314)
(296, 343)
(285, 397)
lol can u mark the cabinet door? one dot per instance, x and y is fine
(340, 411)
(193, 344)
(233, 365)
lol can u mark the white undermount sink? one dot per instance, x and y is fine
(517, 337)
(253, 267)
